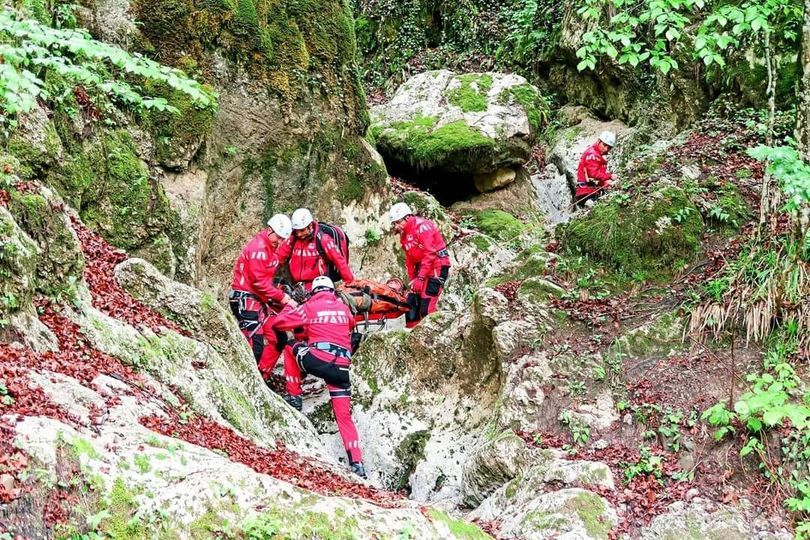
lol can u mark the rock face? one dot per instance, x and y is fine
(185, 191)
(475, 123)
(702, 519)
(571, 513)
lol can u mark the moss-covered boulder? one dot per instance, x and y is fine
(109, 184)
(475, 123)
(43, 218)
(18, 261)
(655, 232)
(526, 512)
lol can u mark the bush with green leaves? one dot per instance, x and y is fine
(659, 32)
(41, 62)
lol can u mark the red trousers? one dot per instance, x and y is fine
(336, 376)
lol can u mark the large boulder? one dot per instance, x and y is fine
(525, 511)
(475, 124)
(704, 519)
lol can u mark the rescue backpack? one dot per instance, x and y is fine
(342, 243)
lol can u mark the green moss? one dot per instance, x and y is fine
(533, 104)
(18, 261)
(590, 509)
(298, 523)
(471, 94)
(529, 263)
(657, 233)
(423, 145)
(112, 189)
(246, 16)
(142, 462)
(83, 447)
(539, 291)
(459, 529)
(174, 133)
(410, 452)
(481, 242)
(733, 210)
(498, 224)
(122, 522)
(211, 523)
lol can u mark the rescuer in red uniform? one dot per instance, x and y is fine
(593, 178)
(427, 260)
(326, 353)
(254, 297)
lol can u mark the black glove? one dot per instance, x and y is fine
(414, 303)
(357, 339)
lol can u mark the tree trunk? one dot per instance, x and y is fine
(803, 123)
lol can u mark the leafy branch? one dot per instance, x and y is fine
(31, 52)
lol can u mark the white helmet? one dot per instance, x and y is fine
(301, 219)
(322, 282)
(280, 224)
(399, 211)
(608, 137)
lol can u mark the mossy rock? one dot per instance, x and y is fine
(531, 262)
(467, 124)
(409, 453)
(657, 233)
(18, 262)
(471, 93)
(61, 265)
(455, 146)
(498, 224)
(280, 44)
(177, 135)
(113, 191)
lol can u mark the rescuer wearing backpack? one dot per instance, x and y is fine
(254, 296)
(426, 260)
(314, 249)
(326, 353)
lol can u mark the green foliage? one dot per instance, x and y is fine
(6, 398)
(642, 235)
(777, 399)
(580, 432)
(658, 32)
(647, 464)
(533, 30)
(40, 62)
(785, 164)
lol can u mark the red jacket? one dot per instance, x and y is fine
(306, 262)
(325, 319)
(424, 246)
(593, 166)
(255, 268)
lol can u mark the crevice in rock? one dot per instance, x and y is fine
(447, 187)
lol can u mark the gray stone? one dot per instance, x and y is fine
(491, 465)
(427, 99)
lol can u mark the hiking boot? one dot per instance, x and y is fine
(294, 401)
(358, 469)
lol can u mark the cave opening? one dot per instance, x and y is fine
(446, 186)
